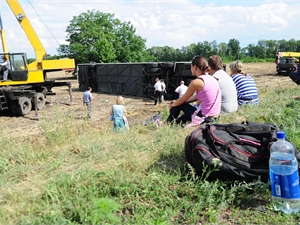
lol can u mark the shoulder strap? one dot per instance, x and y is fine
(247, 126)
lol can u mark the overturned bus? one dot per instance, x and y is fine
(134, 79)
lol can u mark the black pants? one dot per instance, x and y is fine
(158, 95)
(187, 109)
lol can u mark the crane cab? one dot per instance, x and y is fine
(18, 64)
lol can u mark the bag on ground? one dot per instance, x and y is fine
(231, 151)
(153, 119)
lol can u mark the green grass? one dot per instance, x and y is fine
(74, 173)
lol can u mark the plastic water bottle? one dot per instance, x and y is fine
(284, 176)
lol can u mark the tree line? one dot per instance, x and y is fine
(94, 36)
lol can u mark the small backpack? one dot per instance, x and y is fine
(232, 151)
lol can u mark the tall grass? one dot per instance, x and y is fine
(75, 173)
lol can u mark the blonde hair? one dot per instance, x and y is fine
(236, 66)
(120, 100)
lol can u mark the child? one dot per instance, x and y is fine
(118, 111)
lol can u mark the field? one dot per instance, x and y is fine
(61, 168)
(263, 73)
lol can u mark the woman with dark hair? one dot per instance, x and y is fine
(208, 95)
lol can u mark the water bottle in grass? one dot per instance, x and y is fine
(284, 176)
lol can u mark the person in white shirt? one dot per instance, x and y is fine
(227, 86)
(5, 68)
(181, 89)
(157, 91)
(164, 89)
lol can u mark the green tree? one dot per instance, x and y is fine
(291, 45)
(222, 47)
(191, 51)
(100, 37)
(167, 54)
(271, 48)
(261, 49)
(251, 50)
(150, 55)
(243, 52)
(282, 45)
(214, 48)
(297, 47)
(233, 48)
(203, 49)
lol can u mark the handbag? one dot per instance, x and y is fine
(196, 120)
(126, 122)
(111, 117)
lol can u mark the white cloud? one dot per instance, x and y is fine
(162, 23)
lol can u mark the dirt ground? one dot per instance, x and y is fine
(137, 107)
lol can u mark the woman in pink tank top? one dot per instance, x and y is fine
(208, 95)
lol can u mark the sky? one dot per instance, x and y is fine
(174, 23)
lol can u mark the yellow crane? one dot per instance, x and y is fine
(26, 85)
(3, 39)
(289, 54)
(287, 62)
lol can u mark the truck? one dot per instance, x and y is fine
(287, 62)
(27, 85)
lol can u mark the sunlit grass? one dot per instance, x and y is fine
(79, 173)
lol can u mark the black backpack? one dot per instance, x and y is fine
(232, 151)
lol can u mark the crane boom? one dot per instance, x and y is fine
(40, 52)
(16, 8)
(3, 39)
(291, 54)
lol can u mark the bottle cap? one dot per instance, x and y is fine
(280, 134)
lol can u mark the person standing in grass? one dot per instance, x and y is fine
(118, 113)
(244, 83)
(164, 89)
(158, 92)
(87, 100)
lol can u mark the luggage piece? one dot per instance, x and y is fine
(238, 151)
(153, 119)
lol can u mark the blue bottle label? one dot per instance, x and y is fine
(291, 185)
(285, 186)
(275, 184)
